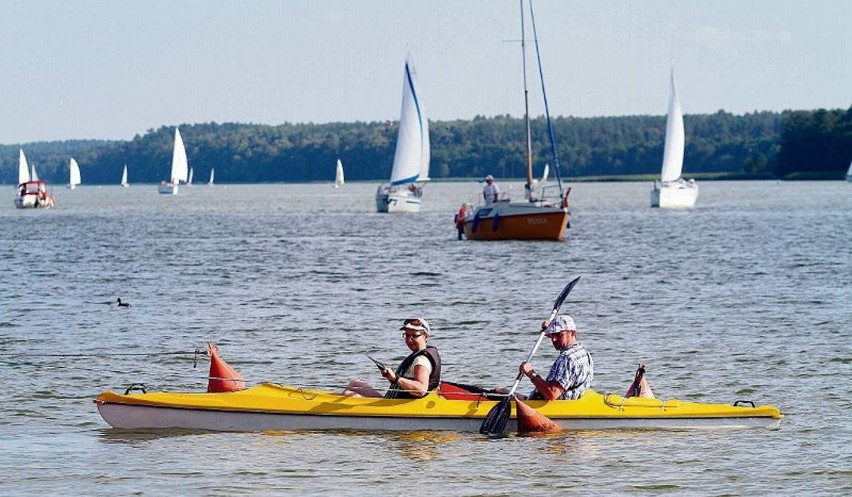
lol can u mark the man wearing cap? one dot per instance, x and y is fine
(571, 373)
(417, 375)
(490, 191)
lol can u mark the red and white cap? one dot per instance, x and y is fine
(416, 324)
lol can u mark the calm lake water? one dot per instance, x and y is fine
(745, 297)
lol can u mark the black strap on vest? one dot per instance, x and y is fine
(431, 353)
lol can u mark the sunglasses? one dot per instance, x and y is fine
(413, 322)
(412, 336)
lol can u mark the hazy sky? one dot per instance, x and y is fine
(114, 69)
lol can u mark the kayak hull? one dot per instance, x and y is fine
(270, 407)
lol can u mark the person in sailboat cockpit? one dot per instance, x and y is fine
(490, 192)
(417, 375)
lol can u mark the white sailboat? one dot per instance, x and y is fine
(73, 174)
(672, 190)
(32, 192)
(189, 180)
(411, 159)
(212, 172)
(338, 175)
(124, 182)
(179, 168)
(849, 173)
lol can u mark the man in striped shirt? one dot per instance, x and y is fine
(571, 373)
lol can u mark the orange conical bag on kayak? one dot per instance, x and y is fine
(222, 377)
(531, 421)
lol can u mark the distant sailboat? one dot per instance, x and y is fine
(179, 168)
(543, 214)
(849, 173)
(191, 174)
(32, 192)
(411, 159)
(672, 190)
(338, 175)
(212, 171)
(124, 182)
(73, 174)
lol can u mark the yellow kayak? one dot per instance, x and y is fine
(271, 406)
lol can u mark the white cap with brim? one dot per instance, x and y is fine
(489, 177)
(560, 323)
(416, 324)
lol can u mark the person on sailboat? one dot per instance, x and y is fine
(490, 192)
(417, 375)
(572, 371)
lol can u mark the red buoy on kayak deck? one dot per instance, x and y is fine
(531, 421)
(222, 377)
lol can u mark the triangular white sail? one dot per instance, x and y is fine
(124, 177)
(23, 169)
(212, 171)
(411, 159)
(849, 173)
(191, 173)
(338, 175)
(33, 174)
(74, 174)
(675, 138)
(180, 169)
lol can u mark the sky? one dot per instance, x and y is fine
(87, 69)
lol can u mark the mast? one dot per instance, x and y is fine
(528, 185)
(550, 133)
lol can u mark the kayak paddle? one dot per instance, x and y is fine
(382, 367)
(497, 418)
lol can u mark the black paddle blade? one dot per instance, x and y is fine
(497, 419)
(565, 291)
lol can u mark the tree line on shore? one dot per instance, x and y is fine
(761, 145)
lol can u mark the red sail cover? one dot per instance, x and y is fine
(222, 377)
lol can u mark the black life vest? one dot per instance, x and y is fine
(431, 353)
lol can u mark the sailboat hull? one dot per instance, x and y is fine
(167, 188)
(393, 200)
(674, 195)
(517, 221)
(33, 195)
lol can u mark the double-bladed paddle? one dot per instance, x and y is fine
(497, 418)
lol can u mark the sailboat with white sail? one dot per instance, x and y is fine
(179, 170)
(338, 175)
(672, 191)
(543, 214)
(32, 192)
(189, 179)
(124, 182)
(73, 174)
(212, 173)
(849, 173)
(410, 169)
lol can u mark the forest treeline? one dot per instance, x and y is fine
(787, 145)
